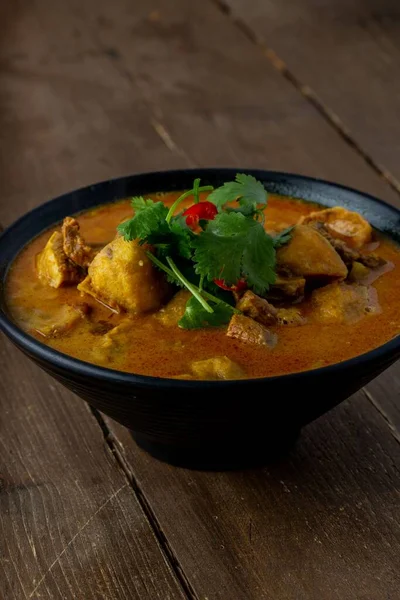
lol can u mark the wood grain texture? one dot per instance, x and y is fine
(384, 393)
(324, 524)
(91, 90)
(346, 52)
(221, 106)
(70, 524)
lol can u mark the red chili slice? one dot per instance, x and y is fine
(239, 287)
(201, 211)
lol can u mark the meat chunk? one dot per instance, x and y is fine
(57, 323)
(291, 317)
(344, 224)
(287, 288)
(246, 330)
(123, 277)
(309, 254)
(347, 254)
(53, 266)
(372, 260)
(340, 303)
(220, 367)
(170, 314)
(257, 308)
(74, 245)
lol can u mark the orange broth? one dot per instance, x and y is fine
(153, 349)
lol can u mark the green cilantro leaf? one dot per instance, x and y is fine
(258, 264)
(233, 246)
(139, 203)
(246, 189)
(149, 219)
(195, 317)
(182, 236)
(283, 237)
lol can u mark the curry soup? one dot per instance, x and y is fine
(310, 335)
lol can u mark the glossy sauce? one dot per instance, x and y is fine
(147, 347)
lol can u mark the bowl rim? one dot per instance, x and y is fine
(46, 354)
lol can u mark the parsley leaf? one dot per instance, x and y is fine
(195, 317)
(283, 237)
(246, 189)
(233, 246)
(149, 219)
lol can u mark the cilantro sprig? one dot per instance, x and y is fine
(230, 245)
(233, 246)
(246, 189)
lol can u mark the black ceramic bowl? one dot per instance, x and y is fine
(202, 423)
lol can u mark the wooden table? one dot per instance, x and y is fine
(91, 89)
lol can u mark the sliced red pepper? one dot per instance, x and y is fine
(201, 211)
(239, 287)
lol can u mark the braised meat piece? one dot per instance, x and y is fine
(342, 224)
(372, 260)
(54, 267)
(347, 254)
(290, 289)
(257, 308)
(74, 245)
(247, 330)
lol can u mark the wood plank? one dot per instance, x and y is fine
(347, 52)
(70, 524)
(324, 524)
(69, 118)
(384, 393)
(221, 106)
(90, 100)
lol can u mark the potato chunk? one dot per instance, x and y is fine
(123, 277)
(340, 303)
(170, 314)
(344, 224)
(220, 367)
(309, 254)
(57, 323)
(53, 266)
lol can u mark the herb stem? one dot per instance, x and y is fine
(204, 188)
(219, 301)
(160, 265)
(196, 196)
(193, 289)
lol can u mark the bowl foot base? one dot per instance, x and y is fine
(221, 457)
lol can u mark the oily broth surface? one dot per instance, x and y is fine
(152, 349)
